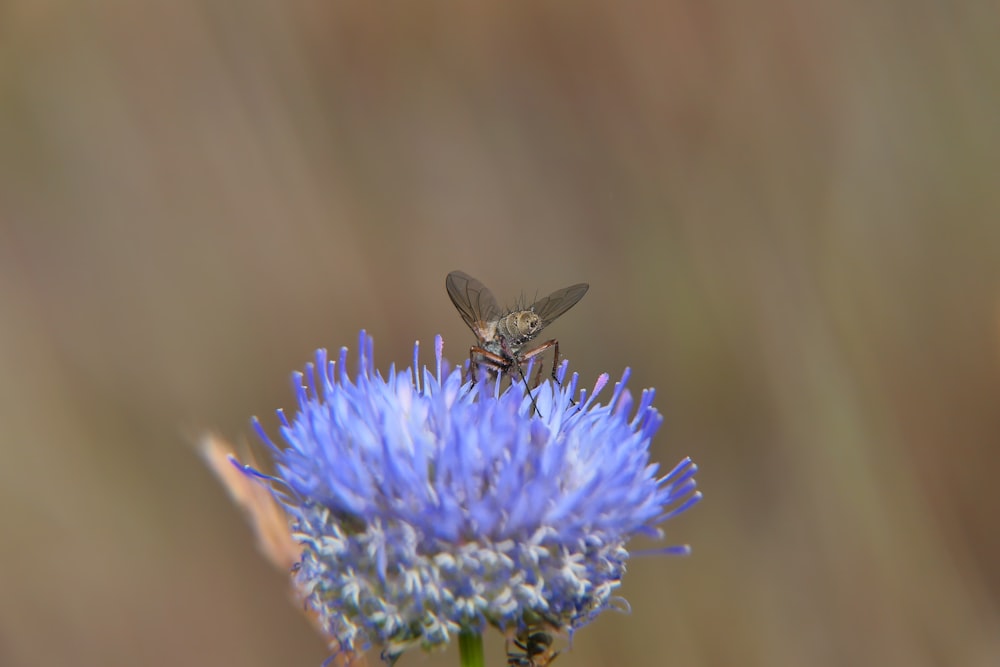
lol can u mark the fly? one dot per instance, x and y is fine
(536, 650)
(504, 337)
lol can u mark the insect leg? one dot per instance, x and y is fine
(534, 352)
(515, 366)
(554, 344)
(555, 369)
(493, 361)
(515, 659)
(555, 360)
(538, 374)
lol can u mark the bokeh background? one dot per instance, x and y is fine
(789, 213)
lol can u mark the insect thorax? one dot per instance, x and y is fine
(519, 327)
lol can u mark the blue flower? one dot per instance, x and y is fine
(425, 506)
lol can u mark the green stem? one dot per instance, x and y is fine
(470, 647)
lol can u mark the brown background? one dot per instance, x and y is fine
(789, 214)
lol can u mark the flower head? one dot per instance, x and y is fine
(425, 506)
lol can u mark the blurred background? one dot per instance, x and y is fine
(789, 215)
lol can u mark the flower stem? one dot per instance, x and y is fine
(470, 647)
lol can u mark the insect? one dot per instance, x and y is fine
(504, 336)
(536, 651)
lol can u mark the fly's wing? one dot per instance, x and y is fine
(474, 301)
(550, 307)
